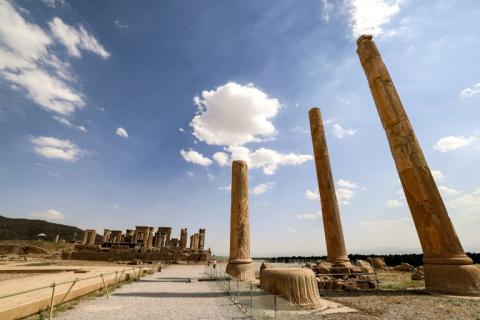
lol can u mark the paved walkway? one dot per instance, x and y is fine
(162, 295)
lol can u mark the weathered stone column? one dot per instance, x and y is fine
(191, 241)
(240, 264)
(447, 268)
(90, 237)
(183, 238)
(336, 251)
(56, 238)
(106, 235)
(149, 243)
(201, 240)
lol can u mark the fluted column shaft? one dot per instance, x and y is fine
(447, 268)
(336, 251)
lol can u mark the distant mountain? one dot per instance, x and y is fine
(28, 229)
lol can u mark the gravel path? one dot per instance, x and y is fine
(161, 296)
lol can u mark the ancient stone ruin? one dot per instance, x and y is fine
(447, 268)
(142, 244)
(239, 263)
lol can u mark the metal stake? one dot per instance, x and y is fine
(51, 301)
(63, 299)
(104, 286)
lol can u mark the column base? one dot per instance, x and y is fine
(461, 280)
(241, 269)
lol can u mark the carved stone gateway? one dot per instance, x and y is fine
(239, 263)
(447, 268)
(336, 251)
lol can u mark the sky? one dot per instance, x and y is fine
(115, 114)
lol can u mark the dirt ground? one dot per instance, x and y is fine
(396, 302)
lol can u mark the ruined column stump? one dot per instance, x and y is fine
(446, 266)
(297, 285)
(239, 263)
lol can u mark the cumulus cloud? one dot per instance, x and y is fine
(226, 188)
(121, 132)
(467, 206)
(394, 203)
(370, 16)
(312, 195)
(75, 39)
(309, 216)
(221, 158)
(234, 114)
(262, 188)
(267, 159)
(195, 157)
(344, 195)
(452, 142)
(346, 184)
(446, 191)
(53, 148)
(438, 175)
(340, 132)
(28, 61)
(50, 214)
(471, 91)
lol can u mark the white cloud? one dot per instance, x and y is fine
(27, 61)
(226, 188)
(291, 230)
(221, 158)
(438, 175)
(67, 122)
(75, 39)
(55, 3)
(470, 92)
(312, 195)
(446, 191)
(54, 148)
(267, 159)
(309, 216)
(344, 195)
(467, 206)
(181, 129)
(327, 9)
(401, 194)
(121, 132)
(346, 184)
(340, 132)
(50, 214)
(452, 142)
(394, 203)
(195, 157)
(234, 114)
(369, 16)
(262, 188)
(120, 25)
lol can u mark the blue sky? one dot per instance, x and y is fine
(115, 114)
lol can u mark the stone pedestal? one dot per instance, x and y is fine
(240, 264)
(447, 268)
(336, 251)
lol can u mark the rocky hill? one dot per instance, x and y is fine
(28, 229)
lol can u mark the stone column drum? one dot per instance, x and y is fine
(447, 268)
(336, 251)
(239, 263)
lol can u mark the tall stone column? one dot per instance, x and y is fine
(201, 240)
(447, 268)
(106, 235)
(149, 243)
(183, 238)
(336, 251)
(239, 263)
(191, 241)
